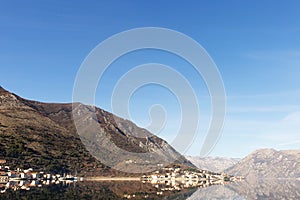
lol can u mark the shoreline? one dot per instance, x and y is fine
(103, 178)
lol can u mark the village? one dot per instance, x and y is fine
(176, 179)
(179, 174)
(165, 179)
(24, 179)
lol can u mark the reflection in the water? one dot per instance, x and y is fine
(20, 179)
(28, 184)
(104, 190)
(266, 189)
(167, 184)
(96, 190)
(181, 184)
(275, 189)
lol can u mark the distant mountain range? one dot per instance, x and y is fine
(215, 164)
(260, 164)
(268, 164)
(43, 136)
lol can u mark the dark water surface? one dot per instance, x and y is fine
(272, 189)
(248, 189)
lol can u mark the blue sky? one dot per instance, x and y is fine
(255, 44)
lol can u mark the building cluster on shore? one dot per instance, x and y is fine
(27, 178)
(176, 173)
(164, 180)
(175, 178)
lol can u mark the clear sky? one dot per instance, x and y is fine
(255, 44)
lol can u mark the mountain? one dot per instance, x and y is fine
(43, 136)
(268, 164)
(215, 164)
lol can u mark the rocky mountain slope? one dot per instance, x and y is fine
(215, 164)
(43, 136)
(268, 164)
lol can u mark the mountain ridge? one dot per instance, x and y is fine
(268, 164)
(36, 134)
(215, 164)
